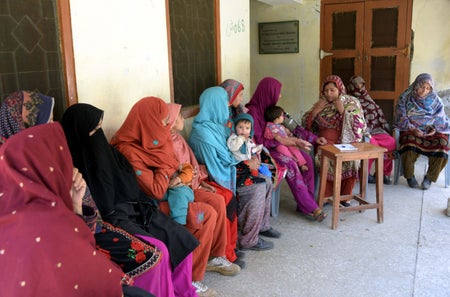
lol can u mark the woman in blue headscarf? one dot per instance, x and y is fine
(208, 140)
(424, 130)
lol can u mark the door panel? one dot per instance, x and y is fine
(375, 45)
(342, 36)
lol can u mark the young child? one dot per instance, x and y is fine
(275, 129)
(241, 143)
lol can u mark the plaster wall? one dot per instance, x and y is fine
(116, 66)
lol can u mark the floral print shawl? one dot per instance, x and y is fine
(373, 114)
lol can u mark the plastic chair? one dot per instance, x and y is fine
(398, 168)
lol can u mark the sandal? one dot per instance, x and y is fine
(320, 215)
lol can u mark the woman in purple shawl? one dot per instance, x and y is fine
(267, 93)
(424, 130)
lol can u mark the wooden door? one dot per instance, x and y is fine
(368, 38)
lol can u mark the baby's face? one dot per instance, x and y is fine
(244, 129)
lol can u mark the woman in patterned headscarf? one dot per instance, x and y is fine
(377, 126)
(340, 119)
(24, 109)
(424, 130)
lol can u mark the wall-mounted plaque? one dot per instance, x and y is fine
(278, 37)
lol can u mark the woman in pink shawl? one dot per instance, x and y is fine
(206, 191)
(267, 94)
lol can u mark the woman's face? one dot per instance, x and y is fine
(238, 99)
(179, 123)
(331, 92)
(423, 90)
(96, 128)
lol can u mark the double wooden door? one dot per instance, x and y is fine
(371, 39)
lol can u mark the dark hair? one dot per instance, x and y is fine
(273, 112)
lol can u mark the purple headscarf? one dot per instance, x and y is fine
(267, 94)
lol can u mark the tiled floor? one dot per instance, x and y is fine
(407, 255)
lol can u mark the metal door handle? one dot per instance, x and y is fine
(323, 54)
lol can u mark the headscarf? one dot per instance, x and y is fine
(107, 173)
(112, 181)
(233, 87)
(421, 113)
(353, 122)
(208, 137)
(47, 248)
(267, 94)
(24, 109)
(182, 150)
(143, 136)
(338, 83)
(375, 120)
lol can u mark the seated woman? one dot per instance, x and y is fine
(144, 139)
(377, 126)
(115, 191)
(235, 90)
(49, 249)
(301, 183)
(204, 189)
(339, 119)
(24, 109)
(208, 141)
(424, 130)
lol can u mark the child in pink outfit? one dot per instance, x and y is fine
(274, 116)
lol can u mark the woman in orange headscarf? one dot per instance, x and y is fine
(145, 140)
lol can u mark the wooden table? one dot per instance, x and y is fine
(365, 152)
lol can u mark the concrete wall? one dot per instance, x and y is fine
(299, 73)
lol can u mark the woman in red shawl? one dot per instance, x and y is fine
(204, 190)
(145, 140)
(45, 247)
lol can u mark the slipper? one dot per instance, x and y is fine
(320, 216)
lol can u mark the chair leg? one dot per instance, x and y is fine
(275, 207)
(447, 175)
(398, 169)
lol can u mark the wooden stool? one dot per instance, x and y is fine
(364, 152)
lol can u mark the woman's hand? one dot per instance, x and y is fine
(321, 141)
(175, 182)
(207, 187)
(430, 132)
(417, 132)
(77, 191)
(339, 105)
(253, 163)
(303, 144)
